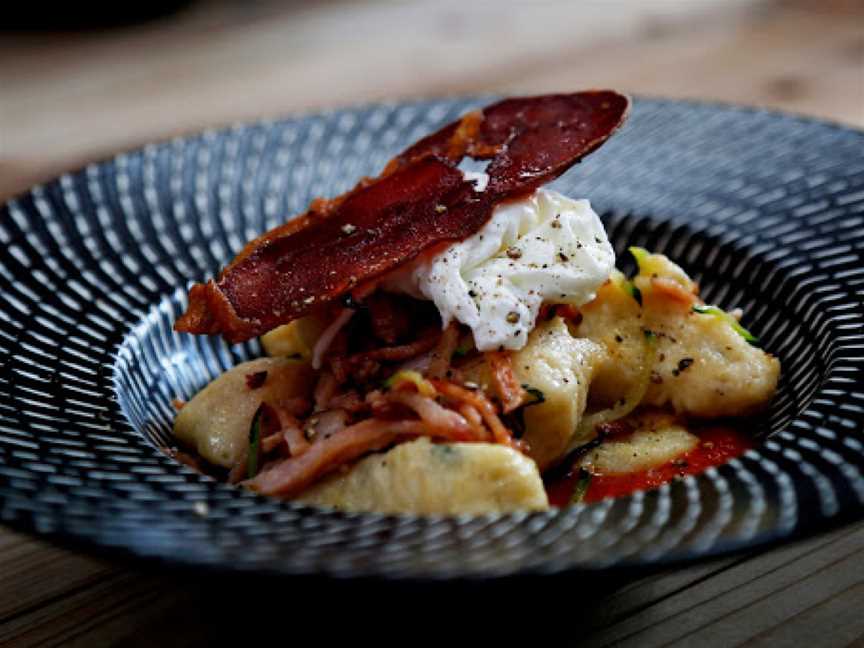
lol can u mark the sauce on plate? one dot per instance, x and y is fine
(717, 445)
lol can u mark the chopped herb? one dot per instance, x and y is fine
(722, 315)
(635, 293)
(256, 380)
(463, 349)
(254, 443)
(539, 396)
(582, 484)
(515, 422)
(684, 363)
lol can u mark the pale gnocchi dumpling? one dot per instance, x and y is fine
(422, 477)
(561, 367)
(216, 421)
(657, 439)
(703, 366)
(296, 338)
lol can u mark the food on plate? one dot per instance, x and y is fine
(441, 341)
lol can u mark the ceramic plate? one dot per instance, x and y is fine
(766, 211)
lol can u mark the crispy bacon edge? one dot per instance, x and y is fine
(418, 202)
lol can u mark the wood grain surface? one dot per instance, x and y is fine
(67, 99)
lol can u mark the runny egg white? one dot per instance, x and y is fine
(546, 248)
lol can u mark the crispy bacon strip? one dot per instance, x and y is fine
(420, 201)
(292, 475)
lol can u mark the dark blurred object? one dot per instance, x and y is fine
(62, 16)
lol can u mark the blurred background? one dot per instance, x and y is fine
(77, 85)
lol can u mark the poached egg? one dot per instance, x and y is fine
(545, 248)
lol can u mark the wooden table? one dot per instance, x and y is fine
(72, 98)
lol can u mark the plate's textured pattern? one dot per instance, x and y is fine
(766, 211)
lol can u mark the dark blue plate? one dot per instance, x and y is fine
(766, 211)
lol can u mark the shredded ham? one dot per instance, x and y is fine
(401, 352)
(349, 401)
(420, 364)
(268, 444)
(296, 406)
(325, 390)
(440, 360)
(507, 387)
(672, 291)
(388, 316)
(325, 424)
(292, 475)
(292, 433)
(326, 339)
(470, 413)
(487, 411)
(295, 440)
(442, 422)
(365, 365)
